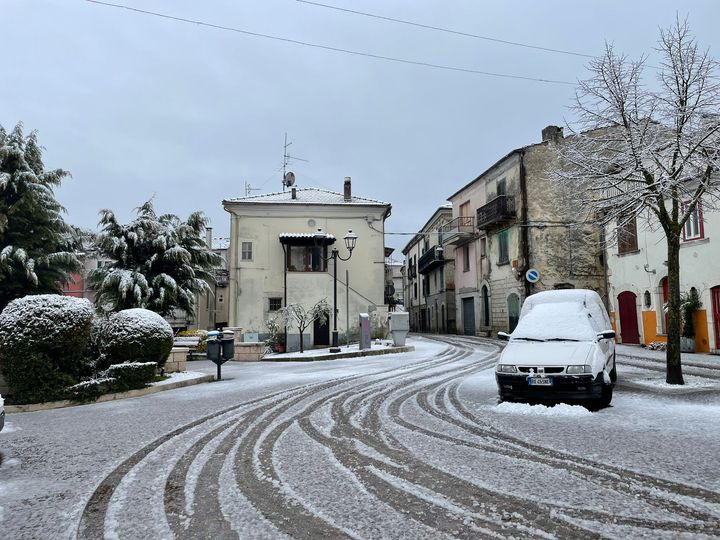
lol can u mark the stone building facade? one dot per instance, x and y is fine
(512, 218)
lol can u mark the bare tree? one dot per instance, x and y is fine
(301, 317)
(649, 151)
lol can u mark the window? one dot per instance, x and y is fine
(503, 252)
(693, 229)
(466, 258)
(627, 236)
(465, 209)
(275, 304)
(306, 258)
(483, 247)
(501, 187)
(415, 290)
(246, 251)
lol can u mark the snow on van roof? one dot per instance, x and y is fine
(557, 320)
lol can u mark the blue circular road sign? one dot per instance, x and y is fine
(532, 275)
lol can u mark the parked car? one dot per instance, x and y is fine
(562, 350)
(2, 413)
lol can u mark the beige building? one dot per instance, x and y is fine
(212, 309)
(511, 219)
(276, 258)
(429, 288)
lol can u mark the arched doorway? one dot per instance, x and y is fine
(485, 306)
(513, 302)
(628, 317)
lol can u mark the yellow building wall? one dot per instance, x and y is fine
(649, 322)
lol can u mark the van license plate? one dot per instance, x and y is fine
(540, 381)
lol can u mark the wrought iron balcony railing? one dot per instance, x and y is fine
(498, 211)
(458, 230)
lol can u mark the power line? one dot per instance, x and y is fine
(446, 30)
(328, 47)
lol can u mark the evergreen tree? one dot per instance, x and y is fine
(36, 245)
(159, 262)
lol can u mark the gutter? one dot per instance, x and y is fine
(524, 229)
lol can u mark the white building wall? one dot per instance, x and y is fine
(253, 282)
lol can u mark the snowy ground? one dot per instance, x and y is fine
(408, 445)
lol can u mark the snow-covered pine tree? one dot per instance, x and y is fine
(159, 262)
(36, 245)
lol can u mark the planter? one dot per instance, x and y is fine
(280, 348)
(687, 344)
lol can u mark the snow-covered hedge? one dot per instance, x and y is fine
(133, 335)
(43, 345)
(131, 375)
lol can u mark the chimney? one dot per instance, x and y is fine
(347, 189)
(293, 193)
(208, 237)
(552, 134)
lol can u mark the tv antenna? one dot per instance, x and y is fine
(287, 175)
(249, 189)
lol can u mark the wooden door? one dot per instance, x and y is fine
(715, 295)
(628, 317)
(513, 302)
(321, 333)
(468, 307)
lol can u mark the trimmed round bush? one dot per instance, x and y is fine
(134, 335)
(44, 345)
(131, 375)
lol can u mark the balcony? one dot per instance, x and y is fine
(459, 230)
(430, 260)
(498, 211)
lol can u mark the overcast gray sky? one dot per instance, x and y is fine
(136, 106)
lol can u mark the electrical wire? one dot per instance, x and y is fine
(446, 30)
(328, 47)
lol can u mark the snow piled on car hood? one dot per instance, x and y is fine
(529, 353)
(562, 320)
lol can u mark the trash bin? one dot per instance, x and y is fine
(228, 344)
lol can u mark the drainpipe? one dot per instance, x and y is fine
(524, 230)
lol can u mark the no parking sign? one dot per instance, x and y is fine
(532, 275)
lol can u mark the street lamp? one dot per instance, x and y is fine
(350, 241)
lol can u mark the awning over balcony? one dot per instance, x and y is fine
(306, 239)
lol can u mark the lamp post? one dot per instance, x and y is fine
(350, 241)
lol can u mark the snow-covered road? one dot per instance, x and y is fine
(398, 446)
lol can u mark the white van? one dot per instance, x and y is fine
(561, 349)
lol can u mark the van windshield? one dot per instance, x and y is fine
(561, 321)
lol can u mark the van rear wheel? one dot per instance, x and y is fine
(613, 371)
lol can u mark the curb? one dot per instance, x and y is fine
(33, 407)
(335, 356)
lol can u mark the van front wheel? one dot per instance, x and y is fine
(605, 396)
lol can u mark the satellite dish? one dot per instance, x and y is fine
(289, 179)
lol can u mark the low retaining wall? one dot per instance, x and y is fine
(248, 352)
(177, 361)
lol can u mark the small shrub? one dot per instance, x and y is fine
(44, 345)
(134, 335)
(89, 390)
(202, 334)
(131, 375)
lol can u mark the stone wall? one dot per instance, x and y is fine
(177, 361)
(249, 352)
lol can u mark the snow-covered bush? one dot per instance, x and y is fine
(89, 390)
(131, 375)
(134, 335)
(43, 345)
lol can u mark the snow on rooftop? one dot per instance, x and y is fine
(306, 196)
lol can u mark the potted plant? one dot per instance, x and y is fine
(276, 341)
(690, 302)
